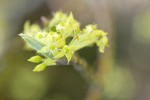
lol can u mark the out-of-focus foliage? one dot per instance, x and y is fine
(118, 83)
(52, 41)
(141, 27)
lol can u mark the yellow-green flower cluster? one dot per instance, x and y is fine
(61, 37)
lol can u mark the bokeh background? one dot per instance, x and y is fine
(123, 70)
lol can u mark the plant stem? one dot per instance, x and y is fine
(83, 68)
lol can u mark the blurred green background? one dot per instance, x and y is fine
(123, 70)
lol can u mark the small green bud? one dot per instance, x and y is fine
(40, 36)
(90, 28)
(51, 32)
(52, 47)
(66, 50)
(59, 27)
(56, 36)
(35, 59)
(40, 67)
(77, 31)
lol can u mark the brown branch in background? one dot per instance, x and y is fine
(102, 14)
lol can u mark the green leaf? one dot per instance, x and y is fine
(60, 27)
(39, 68)
(43, 50)
(60, 43)
(60, 54)
(26, 26)
(35, 59)
(102, 43)
(33, 42)
(68, 52)
(55, 52)
(49, 62)
(69, 56)
(31, 29)
(36, 45)
(58, 16)
(70, 26)
(89, 28)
